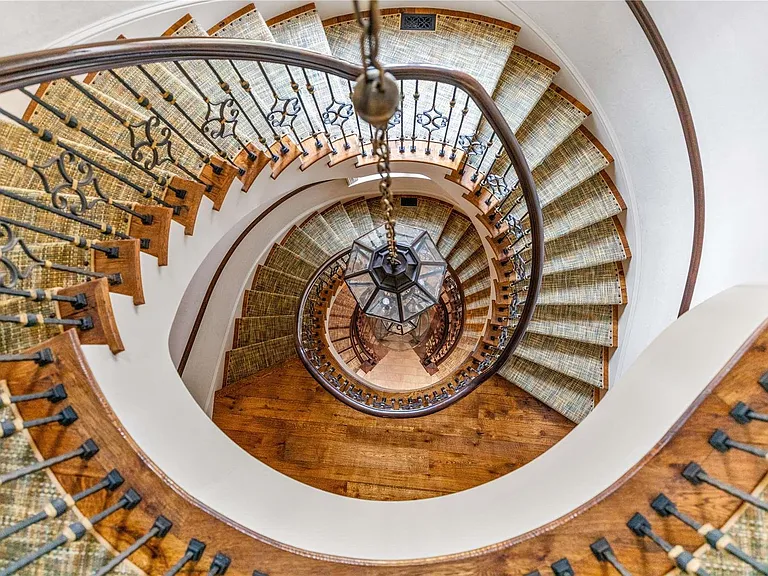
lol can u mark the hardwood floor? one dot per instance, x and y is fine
(284, 418)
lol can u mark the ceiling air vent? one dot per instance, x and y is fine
(418, 21)
(409, 201)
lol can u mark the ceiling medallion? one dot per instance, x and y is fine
(398, 290)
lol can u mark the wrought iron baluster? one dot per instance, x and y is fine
(487, 147)
(471, 147)
(86, 451)
(220, 117)
(246, 86)
(432, 120)
(159, 529)
(696, 475)
(402, 118)
(337, 113)
(47, 136)
(284, 111)
(464, 112)
(297, 90)
(168, 97)
(74, 532)
(79, 241)
(59, 506)
(415, 108)
(743, 414)
(146, 103)
(54, 395)
(722, 442)
(363, 153)
(451, 106)
(65, 417)
(219, 565)
(12, 273)
(604, 553)
(41, 357)
(681, 557)
(194, 552)
(311, 90)
(716, 539)
(72, 122)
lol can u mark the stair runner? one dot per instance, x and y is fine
(574, 328)
(264, 336)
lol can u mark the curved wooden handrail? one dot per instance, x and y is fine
(38, 67)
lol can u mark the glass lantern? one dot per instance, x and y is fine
(398, 291)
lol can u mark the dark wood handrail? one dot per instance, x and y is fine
(43, 66)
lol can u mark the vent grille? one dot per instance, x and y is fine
(418, 21)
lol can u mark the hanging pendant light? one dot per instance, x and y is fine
(395, 290)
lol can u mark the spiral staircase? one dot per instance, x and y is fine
(123, 151)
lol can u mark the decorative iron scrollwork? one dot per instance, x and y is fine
(11, 273)
(151, 143)
(221, 119)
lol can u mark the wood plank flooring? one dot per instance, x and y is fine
(283, 417)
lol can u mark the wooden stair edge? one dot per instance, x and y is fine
(157, 233)
(99, 308)
(604, 515)
(127, 264)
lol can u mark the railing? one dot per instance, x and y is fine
(314, 350)
(653, 518)
(446, 334)
(361, 336)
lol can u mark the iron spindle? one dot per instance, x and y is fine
(415, 109)
(9, 427)
(86, 451)
(722, 442)
(74, 532)
(41, 357)
(716, 539)
(159, 529)
(194, 552)
(79, 241)
(219, 564)
(604, 553)
(78, 301)
(679, 555)
(297, 90)
(72, 122)
(696, 475)
(48, 136)
(743, 414)
(54, 395)
(59, 506)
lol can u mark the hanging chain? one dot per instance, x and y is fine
(369, 53)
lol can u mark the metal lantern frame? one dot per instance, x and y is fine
(395, 293)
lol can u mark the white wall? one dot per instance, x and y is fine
(720, 50)
(28, 26)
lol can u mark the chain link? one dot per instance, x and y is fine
(369, 53)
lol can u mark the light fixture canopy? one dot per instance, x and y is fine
(401, 290)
